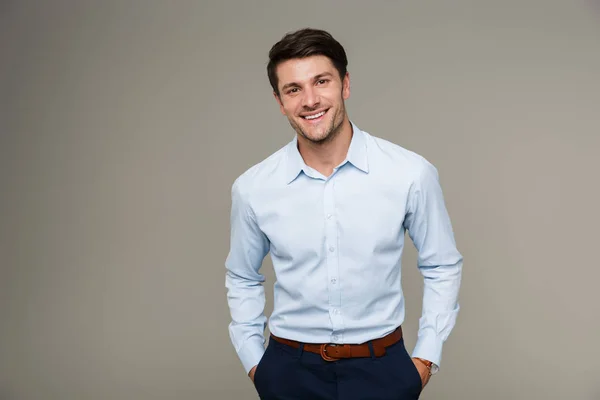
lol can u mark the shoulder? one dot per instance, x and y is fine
(394, 156)
(259, 174)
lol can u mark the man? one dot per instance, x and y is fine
(332, 207)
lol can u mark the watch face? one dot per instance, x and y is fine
(434, 369)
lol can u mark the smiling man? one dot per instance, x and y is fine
(332, 208)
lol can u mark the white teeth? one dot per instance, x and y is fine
(315, 116)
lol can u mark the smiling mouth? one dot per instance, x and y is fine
(315, 117)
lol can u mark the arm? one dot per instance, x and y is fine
(439, 261)
(245, 293)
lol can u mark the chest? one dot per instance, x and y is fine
(305, 216)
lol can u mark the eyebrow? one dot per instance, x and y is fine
(315, 78)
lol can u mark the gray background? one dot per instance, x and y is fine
(124, 123)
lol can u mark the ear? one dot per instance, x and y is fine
(346, 86)
(279, 102)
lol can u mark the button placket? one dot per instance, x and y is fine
(331, 243)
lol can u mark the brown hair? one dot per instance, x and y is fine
(305, 43)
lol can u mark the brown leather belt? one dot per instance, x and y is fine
(333, 352)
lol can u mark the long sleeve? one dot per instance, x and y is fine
(439, 261)
(244, 283)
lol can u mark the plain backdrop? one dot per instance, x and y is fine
(124, 123)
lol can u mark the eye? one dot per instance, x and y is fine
(292, 90)
(322, 81)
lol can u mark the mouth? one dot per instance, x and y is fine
(316, 117)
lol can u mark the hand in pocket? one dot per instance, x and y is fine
(423, 371)
(252, 372)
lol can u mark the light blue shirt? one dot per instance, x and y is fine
(336, 244)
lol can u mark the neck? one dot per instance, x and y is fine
(325, 156)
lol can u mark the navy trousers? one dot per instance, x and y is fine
(286, 373)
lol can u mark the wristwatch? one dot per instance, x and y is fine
(430, 366)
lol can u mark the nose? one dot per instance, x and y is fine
(310, 98)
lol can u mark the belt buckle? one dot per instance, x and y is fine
(324, 353)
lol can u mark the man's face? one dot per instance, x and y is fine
(312, 96)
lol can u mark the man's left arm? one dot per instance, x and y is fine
(429, 227)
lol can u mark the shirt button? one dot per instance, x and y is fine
(335, 338)
(333, 280)
(329, 216)
(332, 249)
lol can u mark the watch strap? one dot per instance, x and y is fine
(427, 363)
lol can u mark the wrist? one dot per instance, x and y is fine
(431, 367)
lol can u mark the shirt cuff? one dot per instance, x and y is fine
(429, 347)
(251, 353)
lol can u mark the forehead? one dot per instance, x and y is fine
(300, 70)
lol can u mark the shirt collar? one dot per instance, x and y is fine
(357, 155)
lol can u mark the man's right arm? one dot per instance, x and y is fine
(245, 293)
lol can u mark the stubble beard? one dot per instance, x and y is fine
(330, 133)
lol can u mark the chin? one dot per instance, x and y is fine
(317, 132)
(317, 137)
